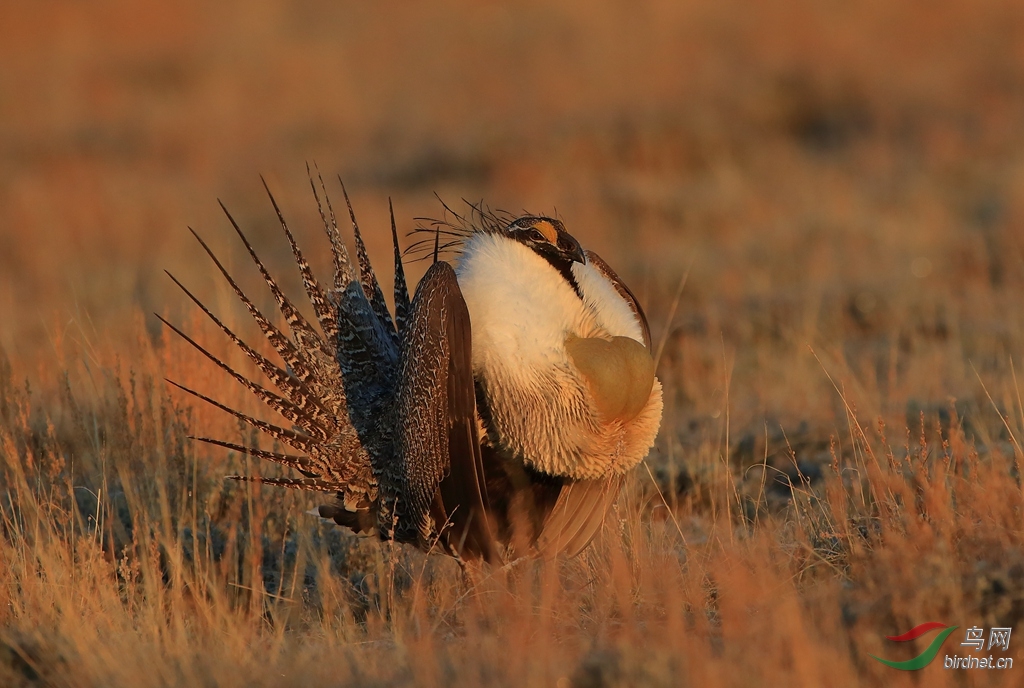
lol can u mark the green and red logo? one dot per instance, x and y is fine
(925, 658)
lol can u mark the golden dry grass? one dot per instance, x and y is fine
(843, 184)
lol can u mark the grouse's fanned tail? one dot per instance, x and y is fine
(312, 390)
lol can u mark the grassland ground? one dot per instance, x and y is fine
(820, 204)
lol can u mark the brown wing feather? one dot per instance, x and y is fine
(442, 470)
(624, 292)
(465, 483)
(577, 516)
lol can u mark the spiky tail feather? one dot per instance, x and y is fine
(356, 340)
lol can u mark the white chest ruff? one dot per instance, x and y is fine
(522, 311)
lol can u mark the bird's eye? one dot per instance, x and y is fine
(535, 235)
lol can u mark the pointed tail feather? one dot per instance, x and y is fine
(299, 463)
(402, 304)
(279, 404)
(290, 437)
(343, 271)
(326, 313)
(366, 275)
(297, 393)
(312, 484)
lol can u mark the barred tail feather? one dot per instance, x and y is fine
(290, 437)
(314, 415)
(299, 463)
(326, 313)
(403, 306)
(279, 404)
(312, 484)
(366, 275)
(343, 272)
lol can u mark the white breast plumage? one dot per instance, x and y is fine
(522, 312)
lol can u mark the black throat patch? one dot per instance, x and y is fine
(564, 268)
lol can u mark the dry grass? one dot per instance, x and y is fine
(843, 183)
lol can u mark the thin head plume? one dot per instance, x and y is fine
(448, 232)
(448, 211)
(488, 220)
(424, 249)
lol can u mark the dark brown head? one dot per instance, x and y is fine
(547, 237)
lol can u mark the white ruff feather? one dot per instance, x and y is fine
(522, 310)
(611, 310)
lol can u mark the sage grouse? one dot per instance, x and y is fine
(494, 416)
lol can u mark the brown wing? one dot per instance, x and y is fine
(624, 292)
(439, 448)
(577, 515)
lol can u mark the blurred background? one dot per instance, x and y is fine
(842, 176)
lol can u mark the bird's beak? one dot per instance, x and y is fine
(578, 256)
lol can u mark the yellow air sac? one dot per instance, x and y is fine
(619, 372)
